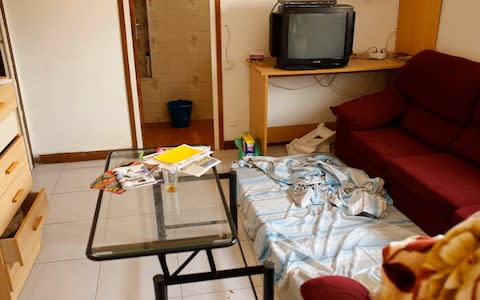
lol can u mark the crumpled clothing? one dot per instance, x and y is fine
(318, 178)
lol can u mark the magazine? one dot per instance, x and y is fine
(134, 176)
(199, 167)
(108, 182)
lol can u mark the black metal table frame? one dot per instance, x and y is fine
(162, 281)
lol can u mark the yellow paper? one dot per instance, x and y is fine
(177, 154)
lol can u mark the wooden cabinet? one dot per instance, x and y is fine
(417, 25)
(19, 250)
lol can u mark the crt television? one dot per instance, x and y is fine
(306, 37)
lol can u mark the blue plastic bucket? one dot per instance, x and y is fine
(180, 112)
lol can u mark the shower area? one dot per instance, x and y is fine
(173, 61)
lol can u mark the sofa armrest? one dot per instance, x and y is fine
(371, 111)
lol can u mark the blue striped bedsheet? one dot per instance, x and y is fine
(317, 240)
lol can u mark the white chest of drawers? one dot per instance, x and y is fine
(17, 252)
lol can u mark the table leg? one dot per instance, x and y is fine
(157, 196)
(268, 289)
(160, 287)
(211, 261)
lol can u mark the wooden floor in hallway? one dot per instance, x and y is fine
(164, 134)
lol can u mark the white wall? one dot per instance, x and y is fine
(458, 30)
(69, 62)
(68, 56)
(247, 22)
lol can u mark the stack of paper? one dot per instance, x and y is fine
(180, 154)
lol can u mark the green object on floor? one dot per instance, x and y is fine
(241, 154)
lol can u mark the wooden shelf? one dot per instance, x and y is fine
(267, 67)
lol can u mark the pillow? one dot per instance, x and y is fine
(451, 270)
(440, 268)
(402, 261)
(333, 287)
(372, 111)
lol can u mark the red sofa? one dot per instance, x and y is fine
(422, 135)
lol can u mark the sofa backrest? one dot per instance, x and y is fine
(442, 91)
(467, 144)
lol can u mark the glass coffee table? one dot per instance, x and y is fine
(153, 220)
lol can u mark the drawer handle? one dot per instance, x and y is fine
(37, 223)
(11, 167)
(2, 103)
(17, 196)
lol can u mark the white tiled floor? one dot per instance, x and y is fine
(62, 271)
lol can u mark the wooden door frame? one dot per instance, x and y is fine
(126, 67)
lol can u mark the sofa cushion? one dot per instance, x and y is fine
(333, 287)
(418, 210)
(378, 146)
(467, 145)
(442, 181)
(476, 116)
(464, 212)
(371, 111)
(430, 128)
(446, 85)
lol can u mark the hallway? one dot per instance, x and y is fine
(163, 134)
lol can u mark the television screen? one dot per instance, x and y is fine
(316, 35)
(312, 36)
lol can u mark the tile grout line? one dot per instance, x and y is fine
(58, 178)
(98, 280)
(60, 260)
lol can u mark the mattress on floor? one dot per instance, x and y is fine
(317, 240)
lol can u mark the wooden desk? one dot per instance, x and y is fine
(259, 75)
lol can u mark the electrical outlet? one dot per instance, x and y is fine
(382, 54)
(377, 55)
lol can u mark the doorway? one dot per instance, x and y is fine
(173, 60)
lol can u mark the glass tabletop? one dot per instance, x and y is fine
(154, 219)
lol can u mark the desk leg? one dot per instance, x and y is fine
(160, 287)
(259, 107)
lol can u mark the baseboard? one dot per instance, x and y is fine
(71, 157)
(228, 145)
(95, 155)
(284, 134)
